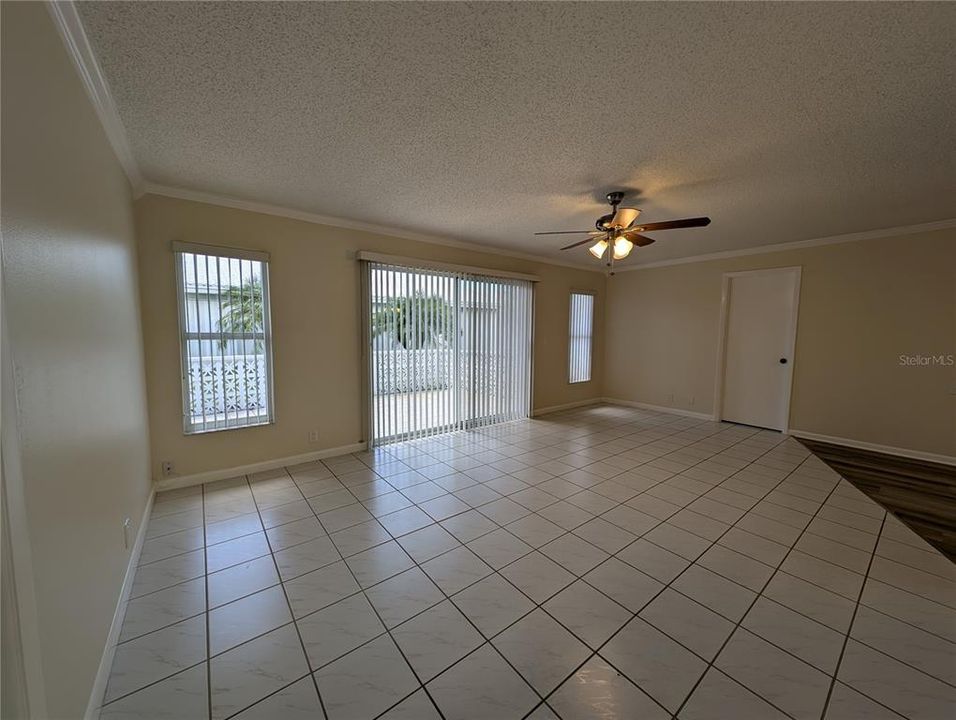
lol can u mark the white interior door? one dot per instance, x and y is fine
(760, 321)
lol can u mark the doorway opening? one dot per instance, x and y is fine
(447, 351)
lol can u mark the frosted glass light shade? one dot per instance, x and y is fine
(622, 248)
(599, 248)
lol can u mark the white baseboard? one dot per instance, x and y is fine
(874, 447)
(213, 475)
(659, 408)
(106, 661)
(566, 406)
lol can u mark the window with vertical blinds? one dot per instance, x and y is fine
(225, 337)
(448, 350)
(580, 337)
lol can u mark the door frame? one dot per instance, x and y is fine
(725, 300)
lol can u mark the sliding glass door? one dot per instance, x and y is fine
(447, 351)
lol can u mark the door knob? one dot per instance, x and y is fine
(783, 361)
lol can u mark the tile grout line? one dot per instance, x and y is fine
(933, 573)
(206, 608)
(849, 629)
(505, 579)
(492, 444)
(446, 598)
(571, 532)
(655, 596)
(488, 641)
(908, 624)
(535, 512)
(758, 595)
(802, 579)
(285, 594)
(244, 596)
(475, 508)
(361, 590)
(537, 605)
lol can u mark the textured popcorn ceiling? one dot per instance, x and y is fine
(485, 122)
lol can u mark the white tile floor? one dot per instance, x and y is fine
(600, 563)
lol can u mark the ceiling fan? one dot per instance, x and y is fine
(617, 234)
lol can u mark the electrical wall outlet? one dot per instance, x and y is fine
(167, 468)
(313, 436)
(127, 528)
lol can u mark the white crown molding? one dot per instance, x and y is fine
(304, 216)
(798, 244)
(70, 26)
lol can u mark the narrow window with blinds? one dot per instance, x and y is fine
(225, 337)
(580, 337)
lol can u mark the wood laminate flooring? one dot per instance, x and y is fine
(921, 494)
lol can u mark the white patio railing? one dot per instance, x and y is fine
(402, 371)
(229, 384)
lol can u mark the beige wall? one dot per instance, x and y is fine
(316, 318)
(72, 306)
(862, 305)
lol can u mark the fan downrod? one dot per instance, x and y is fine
(613, 199)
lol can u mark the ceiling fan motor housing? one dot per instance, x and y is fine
(614, 198)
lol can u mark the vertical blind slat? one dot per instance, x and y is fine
(212, 343)
(220, 342)
(202, 403)
(187, 378)
(258, 373)
(245, 344)
(374, 281)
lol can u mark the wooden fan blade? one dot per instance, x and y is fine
(578, 244)
(624, 217)
(638, 239)
(571, 232)
(674, 224)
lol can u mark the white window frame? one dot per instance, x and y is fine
(580, 367)
(185, 336)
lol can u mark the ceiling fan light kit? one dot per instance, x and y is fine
(621, 249)
(617, 231)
